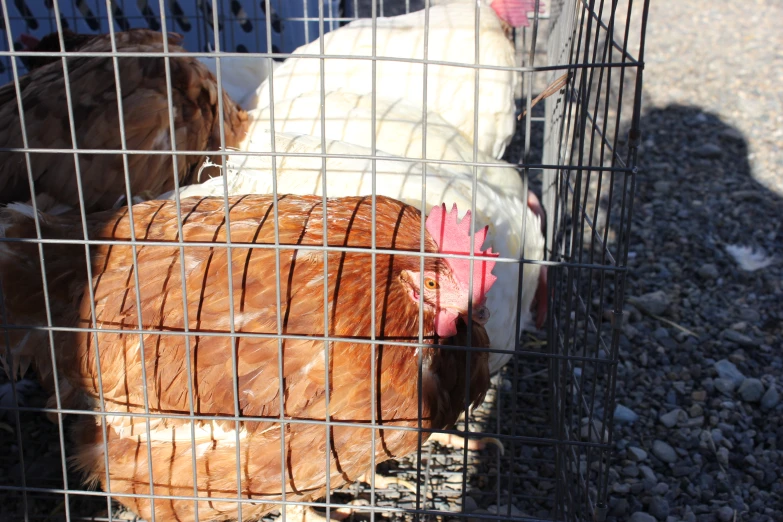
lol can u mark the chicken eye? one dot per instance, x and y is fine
(431, 284)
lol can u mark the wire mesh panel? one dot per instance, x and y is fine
(286, 313)
(242, 23)
(593, 130)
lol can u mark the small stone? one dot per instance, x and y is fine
(621, 488)
(708, 271)
(771, 398)
(725, 514)
(708, 151)
(749, 315)
(660, 489)
(732, 134)
(684, 470)
(621, 508)
(594, 431)
(696, 410)
(469, 504)
(442, 506)
(655, 303)
(625, 414)
(630, 471)
(671, 419)
(502, 510)
(738, 338)
(659, 508)
(728, 370)
(723, 456)
(661, 333)
(699, 395)
(630, 332)
(648, 473)
(751, 390)
(664, 451)
(662, 186)
(695, 422)
(640, 516)
(725, 386)
(636, 454)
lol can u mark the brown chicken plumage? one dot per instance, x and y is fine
(97, 124)
(258, 358)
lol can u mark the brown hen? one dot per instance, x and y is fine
(255, 392)
(97, 123)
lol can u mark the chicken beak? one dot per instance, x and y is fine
(481, 315)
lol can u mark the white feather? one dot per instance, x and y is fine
(450, 88)
(399, 126)
(23, 208)
(749, 259)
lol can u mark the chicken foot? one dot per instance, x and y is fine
(457, 441)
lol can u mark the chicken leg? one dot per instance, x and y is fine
(457, 441)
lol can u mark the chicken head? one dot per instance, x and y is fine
(448, 294)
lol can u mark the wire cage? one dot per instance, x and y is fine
(242, 24)
(551, 406)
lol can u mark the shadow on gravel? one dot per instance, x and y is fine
(695, 197)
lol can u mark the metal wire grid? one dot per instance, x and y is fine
(598, 126)
(241, 23)
(545, 393)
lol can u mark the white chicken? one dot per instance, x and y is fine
(514, 223)
(450, 87)
(399, 126)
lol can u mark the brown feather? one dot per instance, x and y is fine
(304, 388)
(97, 122)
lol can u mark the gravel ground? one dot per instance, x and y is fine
(704, 381)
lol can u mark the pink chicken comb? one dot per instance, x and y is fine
(453, 237)
(514, 12)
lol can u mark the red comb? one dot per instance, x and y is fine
(514, 12)
(453, 237)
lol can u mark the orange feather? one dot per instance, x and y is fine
(256, 387)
